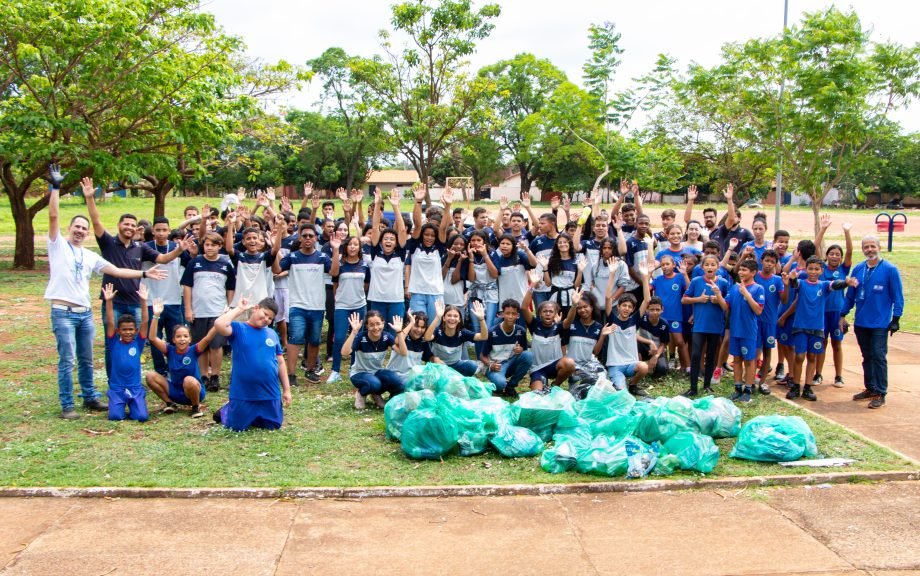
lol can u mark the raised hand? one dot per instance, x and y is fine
(729, 191)
(581, 264)
(341, 194)
(157, 273)
(307, 189)
(158, 306)
(109, 291)
(624, 187)
(825, 221)
(523, 245)
(244, 303)
(576, 297)
(142, 292)
(447, 197)
(394, 200)
(314, 202)
(503, 202)
(543, 262)
(86, 184)
(397, 324)
(554, 202)
(335, 243)
(419, 192)
(479, 310)
(847, 226)
(566, 203)
(55, 176)
(732, 244)
(691, 193)
(535, 277)
(410, 323)
(286, 204)
(356, 195)
(354, 320)
(525, 199)
(439, 308)
(558, 317)
(608, 329)
(634, 188)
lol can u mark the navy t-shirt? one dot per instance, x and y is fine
(449, 348)
(124, 256)
(255, 363)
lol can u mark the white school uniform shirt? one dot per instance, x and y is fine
(70, 269)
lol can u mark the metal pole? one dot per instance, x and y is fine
(779, 173)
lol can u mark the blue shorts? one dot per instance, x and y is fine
(832, 325)
(177, 394)
(239, 415)
(305, 326)
(766, 336)
(744, 348)
(546, 373)
(808, 343)
(784, 333)
(132, 399)
(676, 327)
(619, 374)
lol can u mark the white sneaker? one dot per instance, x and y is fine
(333, 378)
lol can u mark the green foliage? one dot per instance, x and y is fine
(892, 165)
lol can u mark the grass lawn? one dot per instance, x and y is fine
(324, 441)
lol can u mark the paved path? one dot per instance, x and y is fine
(837, 530)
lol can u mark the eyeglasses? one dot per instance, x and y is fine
(308, 235)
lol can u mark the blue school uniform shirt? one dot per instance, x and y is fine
(368, 356)
(671, 290)
(182, 365)
(500, 345)
(126, 361)
(512, 276)
(658, 332)
(758, 250)
(210, 280)
(546, 343)
(678, 255)
(834, 302)
(580, 339)
(720, 272)
(773, 290)
(254, 375)
(417, 352)
(449, 348)
(879, 296)
(809, 310)
(708, 318)
(743, 320)
(306, 286)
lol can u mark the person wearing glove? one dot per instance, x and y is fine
(879, 303)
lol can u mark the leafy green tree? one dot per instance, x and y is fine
(422, 91)
(893, 165)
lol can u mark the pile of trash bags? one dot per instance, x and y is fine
(607, 433)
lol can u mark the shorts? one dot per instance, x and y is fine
(619, 374)
(744, 348)
(281, 298)
(305, 326)
(766, 336)
(806, 343)
(784, 333)
(132, 399)
(546, 373)
(676, 327)
(200, 329)
(240, 415)
(832, 325)
(177, 394)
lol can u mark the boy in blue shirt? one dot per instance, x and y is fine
(746, 303)
(505, 353)
(774, 294)
(808, 322)
(653, 337)
(670, 287)
(257, 366)
(125, 342)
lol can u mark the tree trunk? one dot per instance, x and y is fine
(24, 256)
(423, 178)
(816, 212)
(159, 194)
(526, 179)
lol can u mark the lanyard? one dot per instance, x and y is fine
(77, 264)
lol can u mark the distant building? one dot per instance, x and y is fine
(386, 180)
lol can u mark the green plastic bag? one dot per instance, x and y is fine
(496, 413)
(470, 422)
(541, 412)
(666, 465)
(437, 378)
(517, 442)
(717, 417)
(605, 457)
(562, 457)
(621, 423)
(398, 409)
(666, 418)
(693, 451)
(640, 457)
(477, 389)
(429, 432)
(775, 439)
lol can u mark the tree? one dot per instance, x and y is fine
(94, 85)
(522, 86)
(892, 166)
(422, 92)
(840, 88)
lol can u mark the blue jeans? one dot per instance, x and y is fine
(388, 309)
(518, 366)
(305, 326)
(120, 308)
(618, 374)
(465, 367)
(873, 344)
(377, 383)
(340, 318)
(171, 317)
(74, 334)
(491, 311)
(425, 303)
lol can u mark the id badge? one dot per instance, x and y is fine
(862, 294)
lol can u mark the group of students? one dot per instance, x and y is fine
(599, 294)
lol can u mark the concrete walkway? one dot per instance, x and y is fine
(841, 530)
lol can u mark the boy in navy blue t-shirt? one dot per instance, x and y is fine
(745, 301)
(125, 342)
(257, 366)
(505, 353)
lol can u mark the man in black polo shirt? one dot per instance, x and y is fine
(731, 228)
(123, 251)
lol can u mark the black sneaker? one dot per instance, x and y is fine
(170, 408)
(727, 368)
(319, 369)
(511, 393)
(638, 392)
(877, 402)
(794, 392)
(764, 389)
(95, 405)
(808, 393)
(69, 414)
(708, 390)
(780, 372)
(866, 395)
(817, 380)
(745, 396)
(737, 394)
(216, 417)
(311, 376)
(292, 380)
(213, 384)
(691, 393)
(838, 382)
(196, 412)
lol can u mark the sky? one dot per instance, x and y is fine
(689, 31)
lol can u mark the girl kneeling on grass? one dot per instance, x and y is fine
(546, 341)
(370, 347)
(184, 385)
(447, 341)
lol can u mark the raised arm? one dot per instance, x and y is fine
(354, 320)
(532, 219)
(152, 337)
(224, 321)
(419, 195)
(447, 199)
(145, 320)
(527, 303)
(637, 195)
(229, 232)
(570, 317)
(479, 311)
(396, 324)
(436, 321)
(825, 224)
(108, 293)
(848, 255)
(730, 217)
(98, 228)
(398, 222)
(376, 217)
(54, 201)
(691, 198)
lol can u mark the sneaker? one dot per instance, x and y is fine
(763, 389)
(329, 359)
(737, 394)
(360, 402)
(708, 390)
(311, 376)
(216, 417)
(691, 393)
(170, 408)
(333, 378)
(727, 368)
(794, 392)
(292, 379)
(69, 414)
(838, 382)
(866, 395)
(746, 396)
(877, 402)
(95, 405)
(638, 392)
(817, 380)
(213, 384)
(808, 393)
(196, 412)
(780, 372)
(319, 369)
(378, 400)
(717, 376)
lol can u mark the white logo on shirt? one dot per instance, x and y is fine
(269, 342)
(186, 361)
(132, 351)
(772, 288)
(817, 345)
(675, 287)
